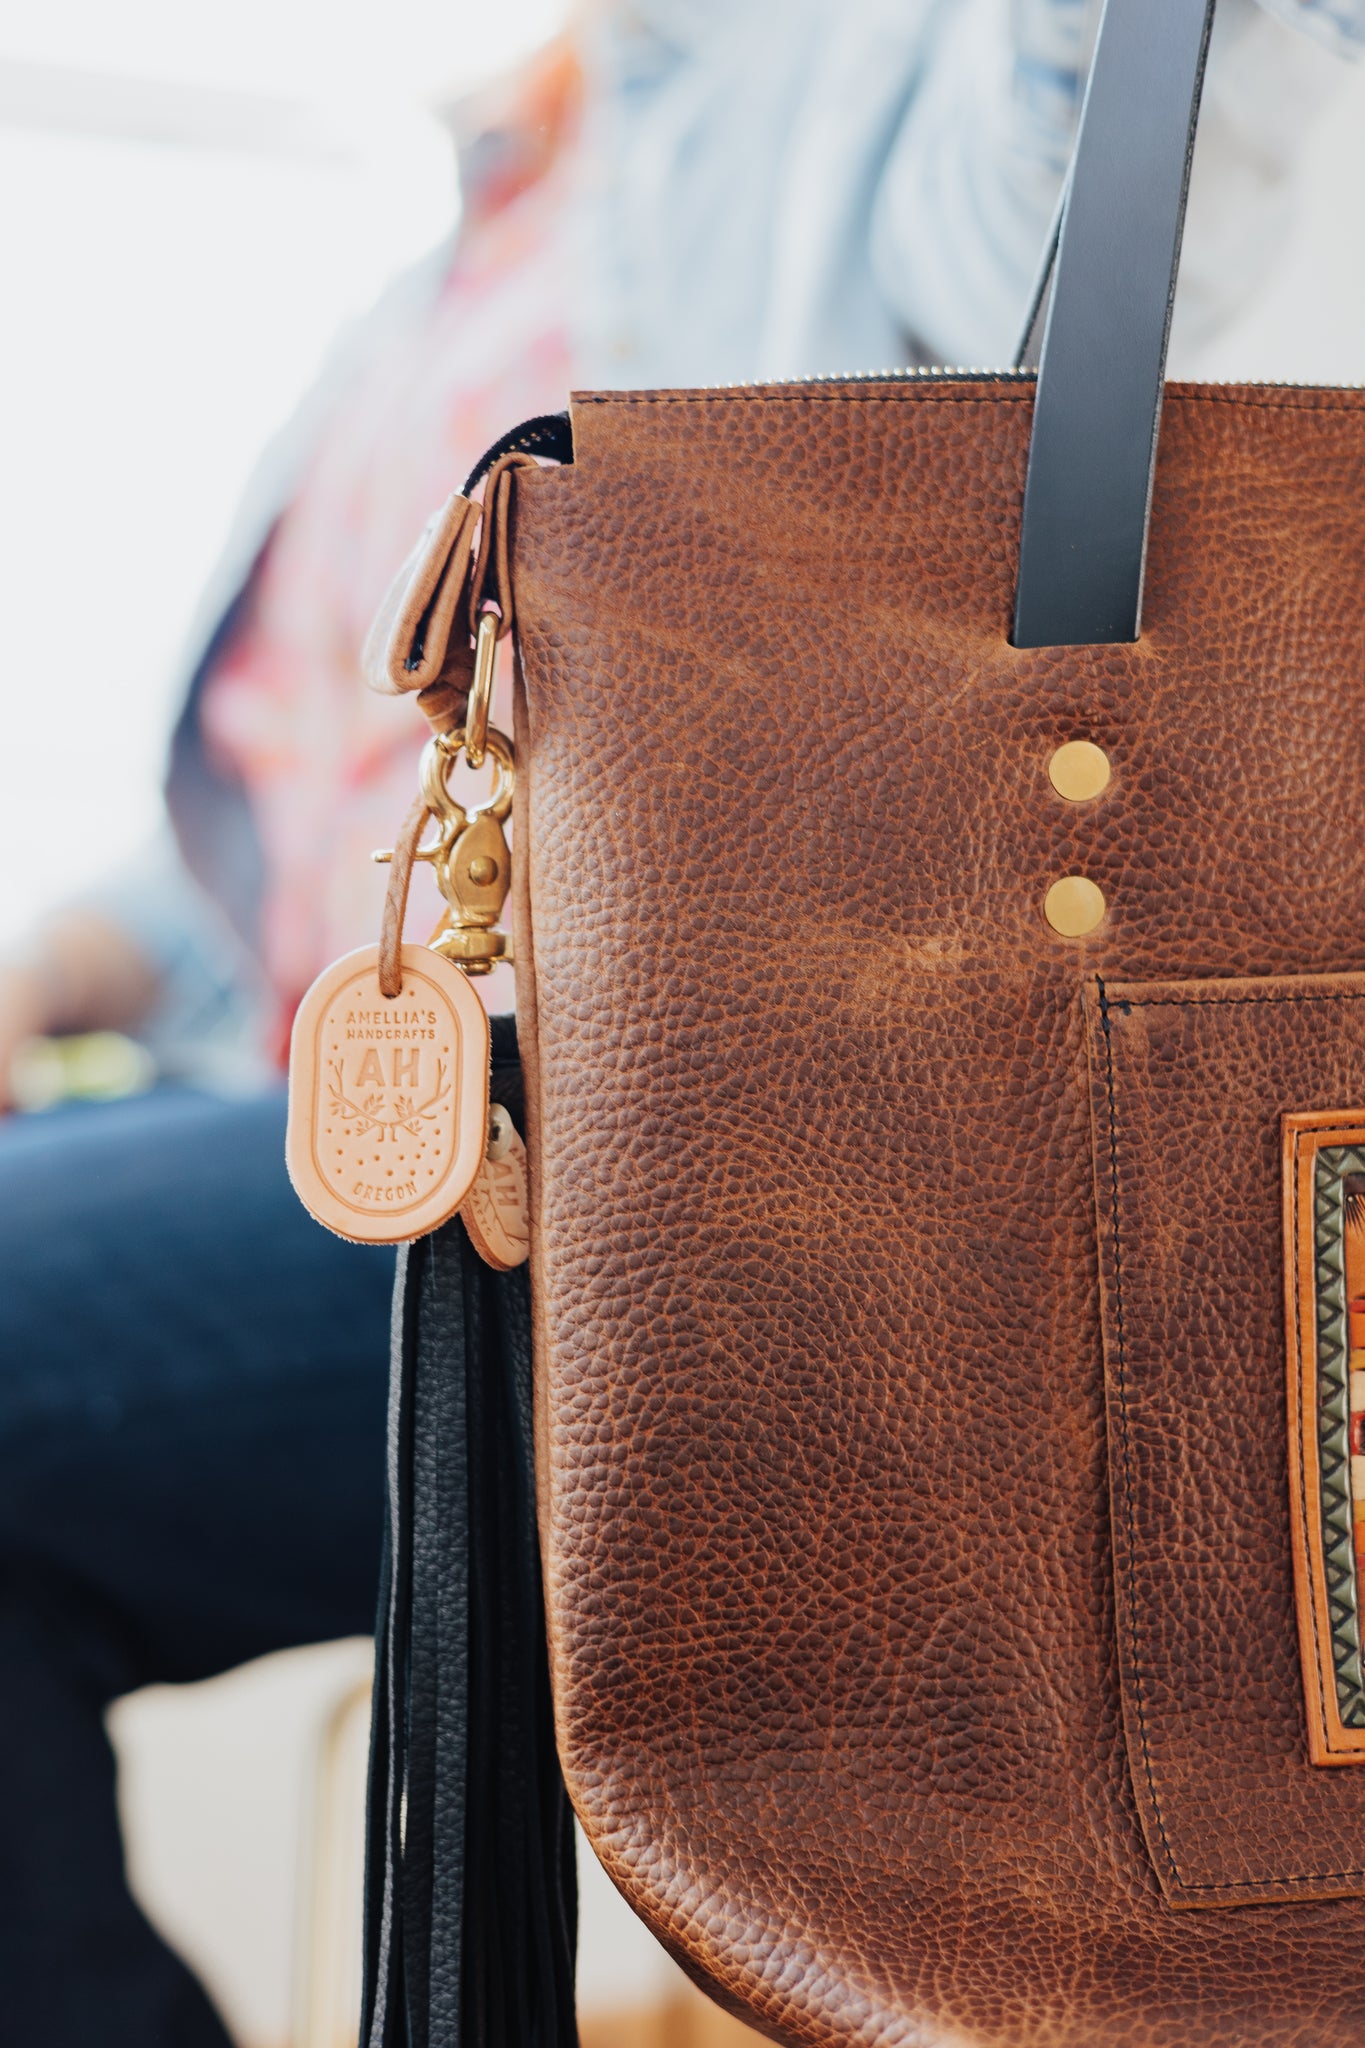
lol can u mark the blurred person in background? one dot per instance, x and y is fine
(193, 1391)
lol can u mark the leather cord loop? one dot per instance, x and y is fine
(396, 899)
(1087, 500)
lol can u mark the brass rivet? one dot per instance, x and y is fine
(482, 871)
(1074, 906)
(1079, 770)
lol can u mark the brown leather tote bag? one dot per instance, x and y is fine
(941, 992)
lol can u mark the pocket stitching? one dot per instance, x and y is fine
(1128, 1003)
(1174, 1003)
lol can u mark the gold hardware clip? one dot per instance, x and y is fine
(472, 859)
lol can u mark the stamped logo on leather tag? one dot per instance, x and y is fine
(1324, 1197)
(387, 1097)
(497, 1209)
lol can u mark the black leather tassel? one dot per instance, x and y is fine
(471, 1899)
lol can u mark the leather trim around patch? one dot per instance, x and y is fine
(1324, 1154)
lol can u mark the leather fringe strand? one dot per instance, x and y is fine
(471, 1904)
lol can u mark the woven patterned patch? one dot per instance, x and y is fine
(1324, 1162)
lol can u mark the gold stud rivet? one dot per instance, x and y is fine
(482, 871)
(1074, 906)
(1079, 770)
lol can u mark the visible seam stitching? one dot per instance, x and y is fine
(1024, 397)
(1344, 995)
(1328, 402)
(1300, 1463)
(1177, 1003)
(1123, 1417)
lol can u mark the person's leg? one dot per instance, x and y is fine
(192, 1390)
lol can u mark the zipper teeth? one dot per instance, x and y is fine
(904, 373)
(910, 373)
(1274, 384)
(911, 370)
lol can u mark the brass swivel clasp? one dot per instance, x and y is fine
(469, 848)
(473, 860)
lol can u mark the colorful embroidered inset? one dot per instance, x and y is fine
(1324, 1160)
(1353, 1242)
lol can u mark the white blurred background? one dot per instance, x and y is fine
(194, 200)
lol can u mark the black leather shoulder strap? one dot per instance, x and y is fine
(1087, 501)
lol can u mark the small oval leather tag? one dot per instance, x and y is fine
(497, 1209)
(388, 1098)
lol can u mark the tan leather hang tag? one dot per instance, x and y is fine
(497, 1209)
(388, 1096)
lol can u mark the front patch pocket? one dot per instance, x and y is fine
(1192, 1083)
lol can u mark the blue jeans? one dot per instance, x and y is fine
(192, 1399)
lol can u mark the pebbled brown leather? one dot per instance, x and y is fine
(826, 1504)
